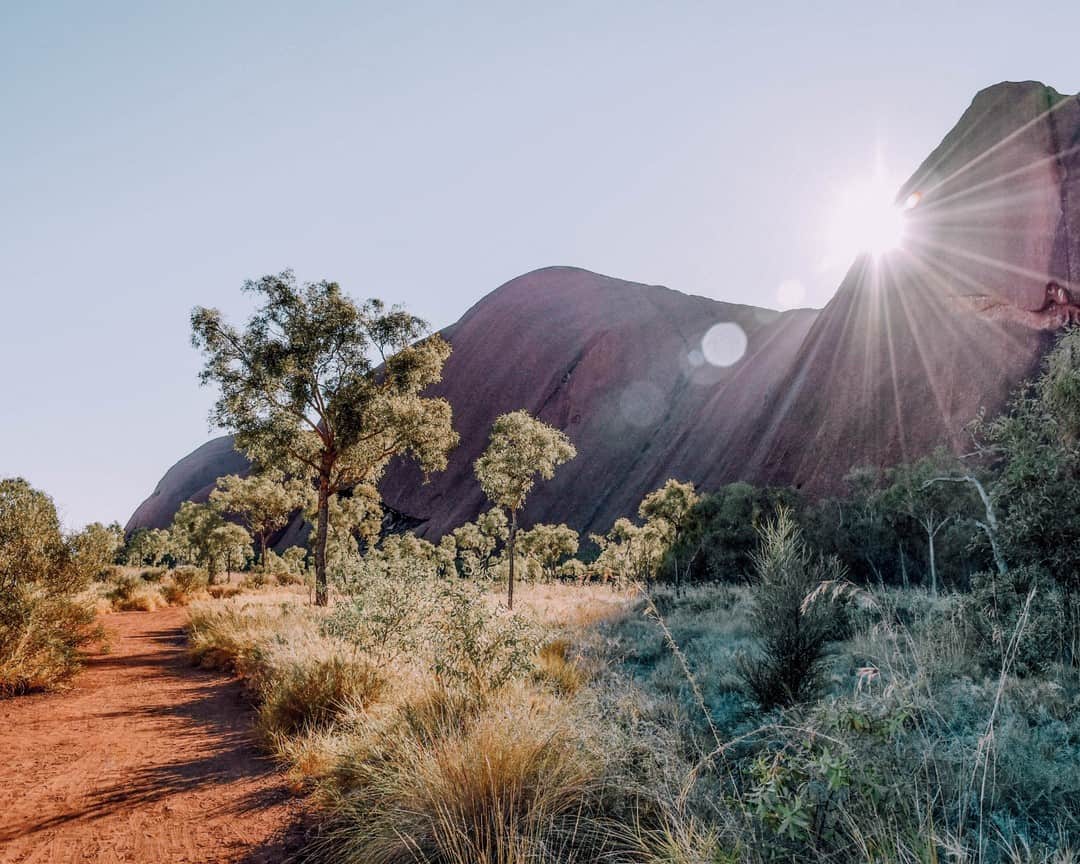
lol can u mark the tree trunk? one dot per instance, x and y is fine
(933, 565)
(321, 592)
(990, 526)
(510, 547)
(262, 550)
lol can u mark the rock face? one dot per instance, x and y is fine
(912, 346)
(620, 367)
(190, 479)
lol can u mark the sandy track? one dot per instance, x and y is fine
(146, 760)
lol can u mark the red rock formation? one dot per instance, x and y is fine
(912, 346)
(190, 479)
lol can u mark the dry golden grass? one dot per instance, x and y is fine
(555, 666)
(517, 782)
(568, 606)
(570, 761)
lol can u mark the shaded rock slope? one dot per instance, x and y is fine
(906, 353)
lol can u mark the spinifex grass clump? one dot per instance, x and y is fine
(454, 783)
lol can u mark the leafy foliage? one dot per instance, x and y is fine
(477, 544)
(474, 647)
(227, 546)
(1036, 454)
(302, 392)
(792, 632)
(549, 546)
(97, 547)
(262, 502)
(629, 553)
(521, 450)
(670, 508)
(43, 624)
(148, 547)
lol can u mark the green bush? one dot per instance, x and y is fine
(791, 631)
(43, 623)
(382, 615)
(124, 587)
(184, 584)
(990, 613)
(474, 646)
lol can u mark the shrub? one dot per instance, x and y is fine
(185, 584)
(989, 615)
(96, 548)
(476, 647)
(382, 615)
(224, 592)
(256, 579)
(791, 633)
(43, 623)
(129, 593)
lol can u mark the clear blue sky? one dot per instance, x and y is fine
(154, 155)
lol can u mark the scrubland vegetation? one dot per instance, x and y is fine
(739, 675)
(592, 723)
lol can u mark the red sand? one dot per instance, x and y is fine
(145, 759)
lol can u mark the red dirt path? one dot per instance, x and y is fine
(145, 760)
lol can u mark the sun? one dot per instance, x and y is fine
(866, 220)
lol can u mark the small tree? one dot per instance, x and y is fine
(791, 631)
(227, 544)
(477, 543)
(97, 547)
(670, 507)
(521, 449)
(629, 552)
(262, 502)
(549, 546)
(148, 546)
(931, 506)
(190, 531)
(318, 386)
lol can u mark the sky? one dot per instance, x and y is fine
(153, 156)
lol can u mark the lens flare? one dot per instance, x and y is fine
(724, 344)
(866, 220)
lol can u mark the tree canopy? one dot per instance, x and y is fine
(521, 450)
(318, 386)
(263, 502)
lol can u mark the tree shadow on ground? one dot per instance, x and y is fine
(214, 711)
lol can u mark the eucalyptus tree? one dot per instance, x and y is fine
(549, 546)
(521, 450)
(263, 502)
(318, 386)
(671, 507)
(190, 532)
(227, 544)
